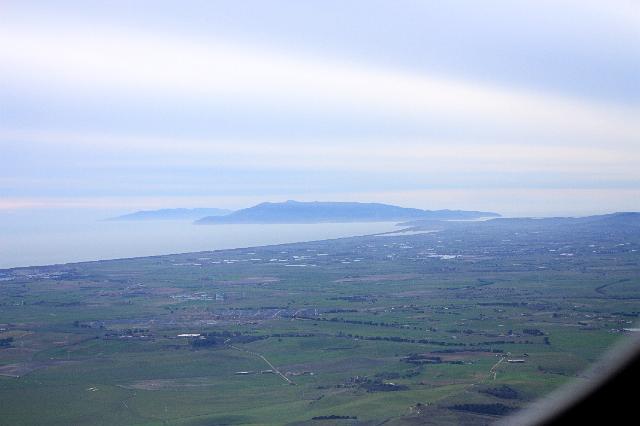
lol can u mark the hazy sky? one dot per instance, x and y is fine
(521, 107)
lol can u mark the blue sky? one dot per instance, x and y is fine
(526, 107)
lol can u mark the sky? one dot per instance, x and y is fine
(519, 107)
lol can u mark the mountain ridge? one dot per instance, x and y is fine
(335, 212)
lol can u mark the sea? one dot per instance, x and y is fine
(56, 237)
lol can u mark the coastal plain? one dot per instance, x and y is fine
(463, 324)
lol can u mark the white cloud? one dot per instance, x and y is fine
(99, 61)
(530, 132)
(449, 157)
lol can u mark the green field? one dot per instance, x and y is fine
(394, 329)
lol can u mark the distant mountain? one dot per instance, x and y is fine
(172, 214)
(335, 212)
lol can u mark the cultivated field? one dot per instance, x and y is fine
(459, 326)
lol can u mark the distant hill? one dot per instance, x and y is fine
(611, 219)
(335, 212)
(172, 214)
(615, 220)
(620, 220)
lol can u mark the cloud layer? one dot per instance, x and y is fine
(96, 111)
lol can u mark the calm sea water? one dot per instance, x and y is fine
(37, 239)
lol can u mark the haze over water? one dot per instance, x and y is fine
(43, 239)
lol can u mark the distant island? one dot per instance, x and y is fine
(335, 212)
(172, 214)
